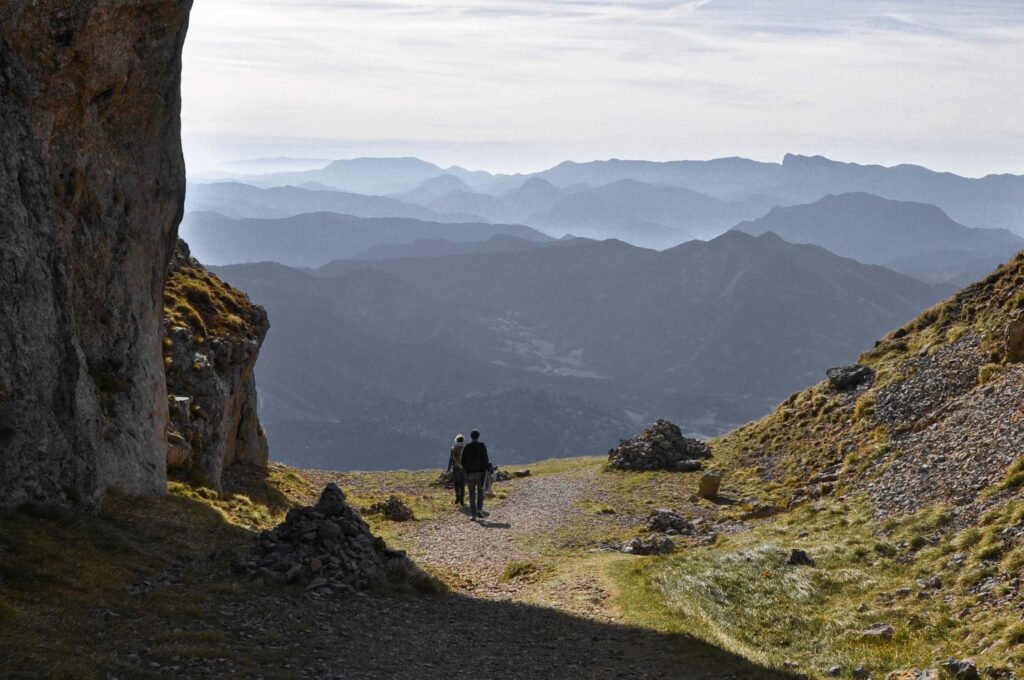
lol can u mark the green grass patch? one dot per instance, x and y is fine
(743, 596)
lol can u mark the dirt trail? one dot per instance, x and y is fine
(472, 556)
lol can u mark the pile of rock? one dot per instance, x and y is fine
(661, 446)
(652, 545)
(669, 522)
(394, 509)
(328, 547)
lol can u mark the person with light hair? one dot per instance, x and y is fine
(457, 470)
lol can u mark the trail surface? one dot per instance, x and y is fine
(474, 555)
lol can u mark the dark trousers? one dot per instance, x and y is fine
(459, 482)
(475, 480)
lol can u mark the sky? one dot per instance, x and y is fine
(519, 85)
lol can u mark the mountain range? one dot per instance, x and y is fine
(313, 239)
(914, 238)
(554, 349)
(237, 200)
(993, 201)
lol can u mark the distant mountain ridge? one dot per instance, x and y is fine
(915, 238)
(237, 200)
(313, 239)
(993, 201)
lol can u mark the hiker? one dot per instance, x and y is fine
(458, 473)
(476, 463)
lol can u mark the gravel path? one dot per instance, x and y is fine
(472, 556)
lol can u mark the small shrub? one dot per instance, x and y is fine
(519, 569)
(990, 372)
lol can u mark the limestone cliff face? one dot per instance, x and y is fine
(213, 335)
(91, 192)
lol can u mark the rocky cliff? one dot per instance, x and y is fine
(91, 192)
(212, 336)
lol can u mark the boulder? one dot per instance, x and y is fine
(961, 670)
(709, 484)
(878, 631)
(799, 557)
(661, 446)
(652, 545)
(849, 377)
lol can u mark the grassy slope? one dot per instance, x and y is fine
(741, 594)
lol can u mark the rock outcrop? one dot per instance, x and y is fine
(91, 189)
(213, 335)
(661, 446)
(849, 377)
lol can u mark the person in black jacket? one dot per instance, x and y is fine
(475, 462)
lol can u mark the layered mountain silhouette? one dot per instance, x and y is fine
(640, 213)
(573, 341)
(914, 238)
(312, 239)
(646, 214)
(359, 175)
(237, 200)
(438, 247)
(994, 201)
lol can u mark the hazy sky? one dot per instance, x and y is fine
(521, 84)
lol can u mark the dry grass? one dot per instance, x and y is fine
(741, 594)
(197, 299)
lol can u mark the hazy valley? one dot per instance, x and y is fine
(565, 308)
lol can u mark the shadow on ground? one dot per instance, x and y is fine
(71, 606)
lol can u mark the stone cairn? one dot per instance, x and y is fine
(328, 547)
(661, 446)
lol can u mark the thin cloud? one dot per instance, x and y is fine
(584, 78)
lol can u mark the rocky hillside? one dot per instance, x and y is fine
(929, 440)
(91, 187)
(212, 336)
